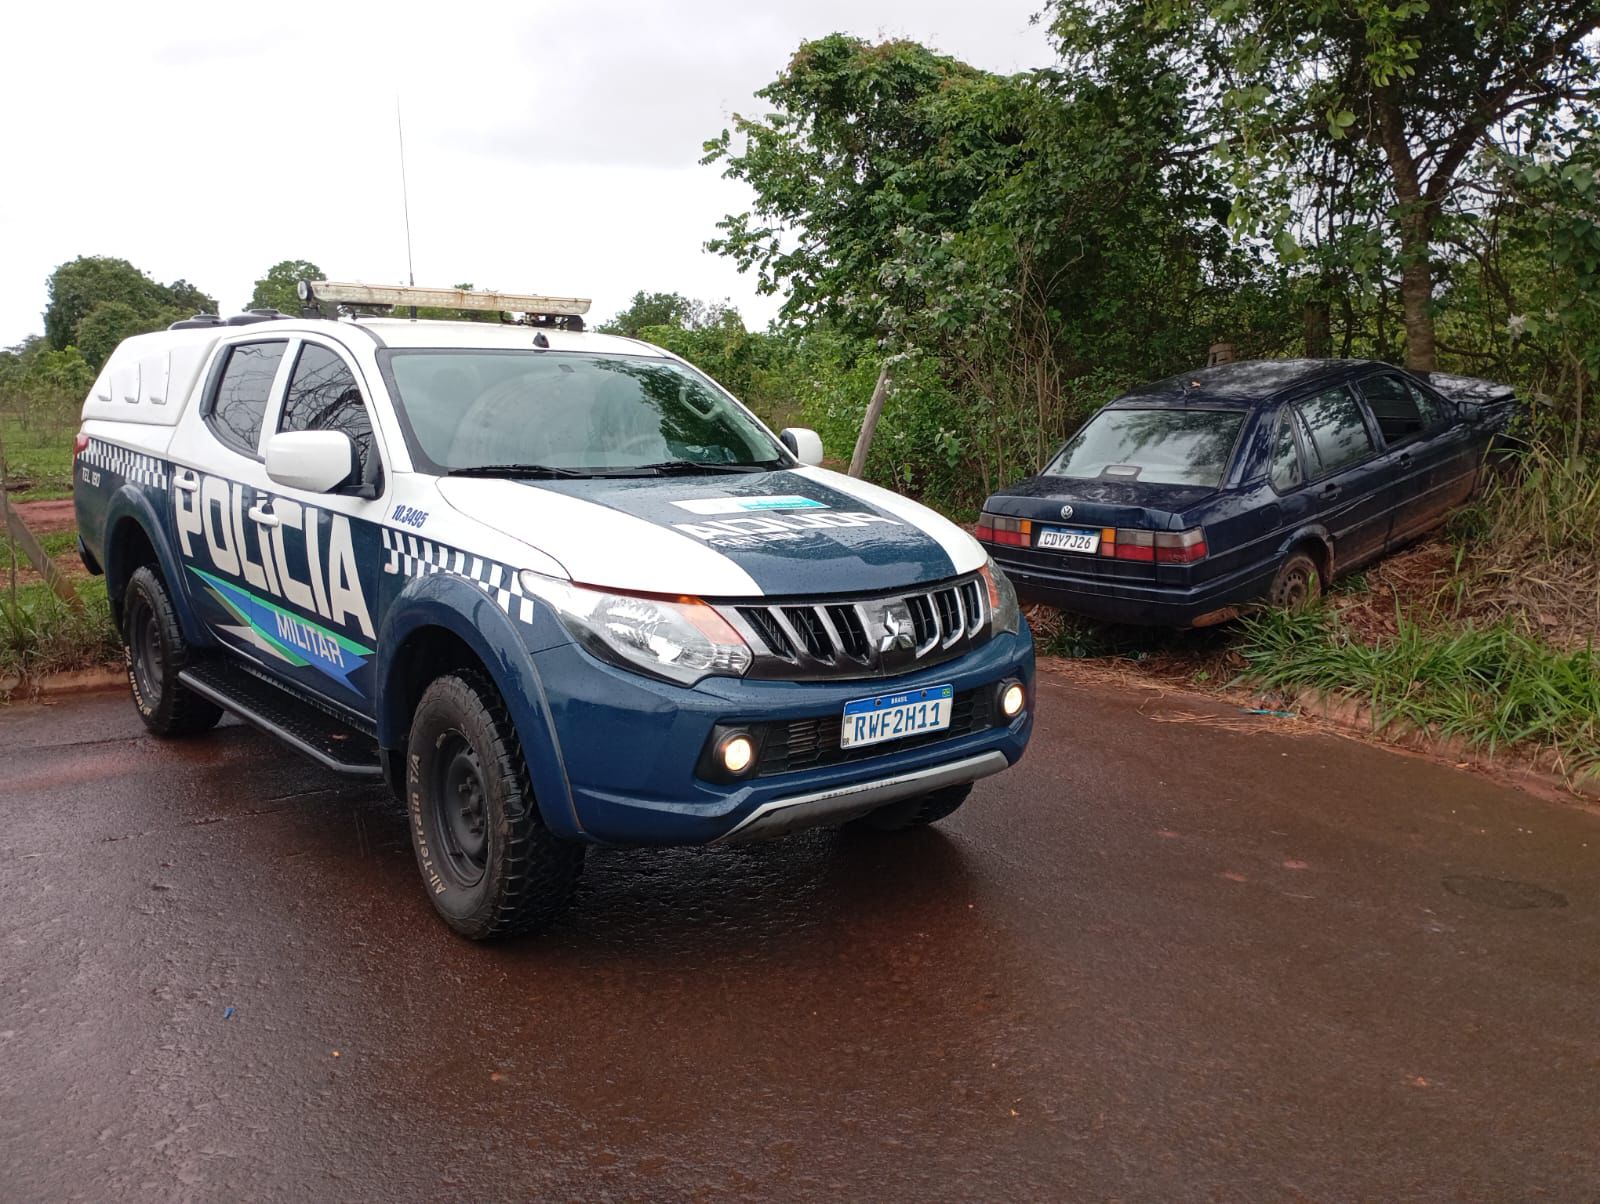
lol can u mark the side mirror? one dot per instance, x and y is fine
(804, 443)
(316, 461)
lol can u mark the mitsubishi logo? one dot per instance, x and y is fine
(897, 631)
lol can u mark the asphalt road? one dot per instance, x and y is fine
(1164, 959)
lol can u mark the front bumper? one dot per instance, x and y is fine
(629, 746)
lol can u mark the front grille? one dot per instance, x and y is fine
(864, 637)
(814, 743)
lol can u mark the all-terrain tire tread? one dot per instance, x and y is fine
(181, 711)
(541, 870)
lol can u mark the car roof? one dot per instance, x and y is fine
(1243, 384)
(423, 332)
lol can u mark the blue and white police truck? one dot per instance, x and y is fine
(556, 588)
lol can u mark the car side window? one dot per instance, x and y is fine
(1394, 406)
(323, 396)
(1338, 431)
(240, 401)
(1286, 473)
(1433, 412)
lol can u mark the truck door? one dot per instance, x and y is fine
(326, 547)
(217, 472)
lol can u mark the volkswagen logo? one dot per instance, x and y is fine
(1066, 512)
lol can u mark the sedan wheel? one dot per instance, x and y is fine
(1298, 583)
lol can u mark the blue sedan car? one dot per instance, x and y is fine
(1257, 481)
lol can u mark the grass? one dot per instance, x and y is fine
(37, 447)
(41, 634)
(1496, 687)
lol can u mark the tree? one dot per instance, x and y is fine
(1408, 91)
(648, 309)
(108, 323)
(76, 289)
(1017, 232)
(277, 289)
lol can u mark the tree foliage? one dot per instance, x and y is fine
(671, 311)
(278, 288)
(1019, 232)
(134, 302)
(1335, 118)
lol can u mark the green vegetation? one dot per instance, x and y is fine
(1494, 687)
(278, 288)
(97, 301)
(40, 634)
(36, 448)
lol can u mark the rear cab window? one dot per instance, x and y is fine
(239, 402)
(1336, 429)
(1166, 446)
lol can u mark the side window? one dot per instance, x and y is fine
(1286, 472)
(1338, 431)
(323, 396)
(1394, 405)
(1434, 413)
(241, 396)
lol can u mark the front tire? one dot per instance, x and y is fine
(154, 650)
(915, 812)
(490, 866)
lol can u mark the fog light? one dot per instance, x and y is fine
(1012, 699)
(736, 753)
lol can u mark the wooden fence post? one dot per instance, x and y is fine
(869, 424)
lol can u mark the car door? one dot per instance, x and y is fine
(1350, 483)
(218, 476)
(1410, 433)
(327, 548)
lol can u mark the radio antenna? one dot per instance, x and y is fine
(405, 196)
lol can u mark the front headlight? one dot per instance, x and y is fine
(680, 639)
(1005, 614)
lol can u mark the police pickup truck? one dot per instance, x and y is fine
(556, 588)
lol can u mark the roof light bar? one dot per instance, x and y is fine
(313, 291)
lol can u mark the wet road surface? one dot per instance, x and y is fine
(1161, 960)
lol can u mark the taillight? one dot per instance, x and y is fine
(1011, 532)
(1181, 547)
(80, 445)
(1159, 547)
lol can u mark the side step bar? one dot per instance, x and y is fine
(308, 729)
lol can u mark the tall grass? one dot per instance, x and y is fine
(1549, 501)
(41, 634)
(1495, 687)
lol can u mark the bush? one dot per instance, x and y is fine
(1494, 686)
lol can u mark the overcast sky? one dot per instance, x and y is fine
(550, 147)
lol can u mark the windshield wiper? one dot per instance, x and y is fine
(515, 470)
(667, 467)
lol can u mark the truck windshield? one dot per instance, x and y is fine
(1159, 447)
(569, 414)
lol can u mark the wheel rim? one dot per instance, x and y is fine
(1299, 586)
(460, 809)
(146, 637)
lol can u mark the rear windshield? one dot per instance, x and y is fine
(474, 408)
(1158, 447)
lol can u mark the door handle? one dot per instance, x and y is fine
(1330, 490)
(262, 513)
(187, 482)
(1405, 459)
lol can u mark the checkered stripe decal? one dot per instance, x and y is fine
(409, 556)
(130, 465)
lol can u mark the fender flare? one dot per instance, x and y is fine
(1311, 533)
(461, 608)
(132, 504)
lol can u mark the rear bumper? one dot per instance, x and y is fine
(1139, 604)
